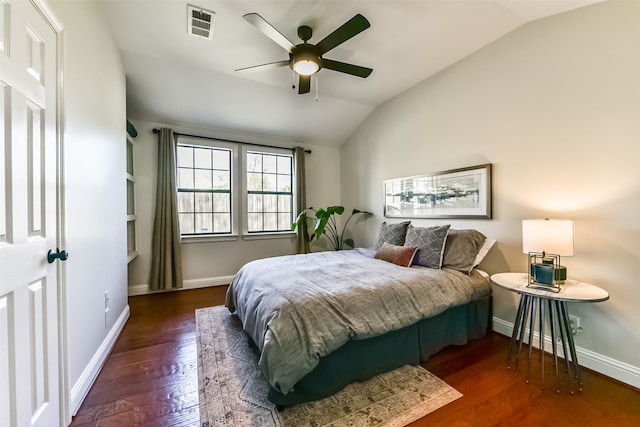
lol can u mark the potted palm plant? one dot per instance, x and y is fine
(325, 224)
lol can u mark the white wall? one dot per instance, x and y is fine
(94, 163)
(207, 263)
(555, 107)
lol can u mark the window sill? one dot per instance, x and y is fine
(235, 237)
(208, 239)
(265, 236)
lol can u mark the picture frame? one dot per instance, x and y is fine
(463, 193)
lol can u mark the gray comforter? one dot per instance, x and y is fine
(299, 308)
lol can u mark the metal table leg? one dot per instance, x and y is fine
(523, 325)
(516, 328)
(552, 317)
(541, 305)
(562, 327)
(532, 323)
(572, 347)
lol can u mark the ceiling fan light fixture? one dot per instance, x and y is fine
(305, 67)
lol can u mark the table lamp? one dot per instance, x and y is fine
(545, 241)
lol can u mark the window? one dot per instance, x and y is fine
(222, 189)
(204, 189)
(269, 182)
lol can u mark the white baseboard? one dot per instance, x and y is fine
(83, 385)
(186, 284)
(605, 365)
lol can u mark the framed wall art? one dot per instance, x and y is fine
(456, 193)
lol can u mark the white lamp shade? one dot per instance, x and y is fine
(554, 236)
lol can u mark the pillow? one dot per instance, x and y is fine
(430, 243)
(392, 233)
(399, 255)
(461, 249)
(484, 250)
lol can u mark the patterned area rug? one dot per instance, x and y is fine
(233, 392)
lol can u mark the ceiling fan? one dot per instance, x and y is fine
(305, 58)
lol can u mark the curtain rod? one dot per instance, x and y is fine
(229, 140)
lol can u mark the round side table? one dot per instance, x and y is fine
(547, 304)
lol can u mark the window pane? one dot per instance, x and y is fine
(186, 223)
(254, 182)
(203, 202)
(185, 157)
(270, 203)
(221, 223)
(185, 202)
(221, 202)
(254, 222)
(254, 203)
(284, 183)
(185, 178)
(222, 159)
(284, 165)
(284, 203)
(269, 164)
(270, 221)
(204, 223)
(254, 162)
(221, 180)
(284, 221)
(268, 182)
(203, 178)
(202, 158)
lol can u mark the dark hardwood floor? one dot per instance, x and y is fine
(150, 379)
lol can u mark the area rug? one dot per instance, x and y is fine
(233, 391)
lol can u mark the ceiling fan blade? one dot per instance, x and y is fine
(269, 30)
(304, 84)
(354, 70)
(352, 27)
(263, 67)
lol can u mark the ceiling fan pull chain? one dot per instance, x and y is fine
(316, 79)
(293, 79)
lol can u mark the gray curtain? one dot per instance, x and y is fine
(166, 252)
(301, 198)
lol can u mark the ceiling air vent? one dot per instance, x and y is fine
(200, 22)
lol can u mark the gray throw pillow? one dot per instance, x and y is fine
(430, 243)
(392, 233)
(461, 249)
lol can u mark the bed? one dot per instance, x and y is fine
(325, 319)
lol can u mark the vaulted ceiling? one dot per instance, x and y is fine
(178, 79)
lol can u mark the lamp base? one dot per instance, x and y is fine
(545, 271)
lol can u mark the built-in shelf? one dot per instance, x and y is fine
(132, 233)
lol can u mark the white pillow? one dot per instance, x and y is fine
(486, 246)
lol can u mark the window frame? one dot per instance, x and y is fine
(213, 144)
(239, 193)
(246, 149)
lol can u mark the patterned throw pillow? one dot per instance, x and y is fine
(392, 233)
(461, 249)
(430, 243)
(399, 255)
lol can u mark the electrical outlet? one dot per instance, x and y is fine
(574, 322)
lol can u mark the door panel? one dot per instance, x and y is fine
(29, 370)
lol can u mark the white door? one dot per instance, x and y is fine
(29, 370)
